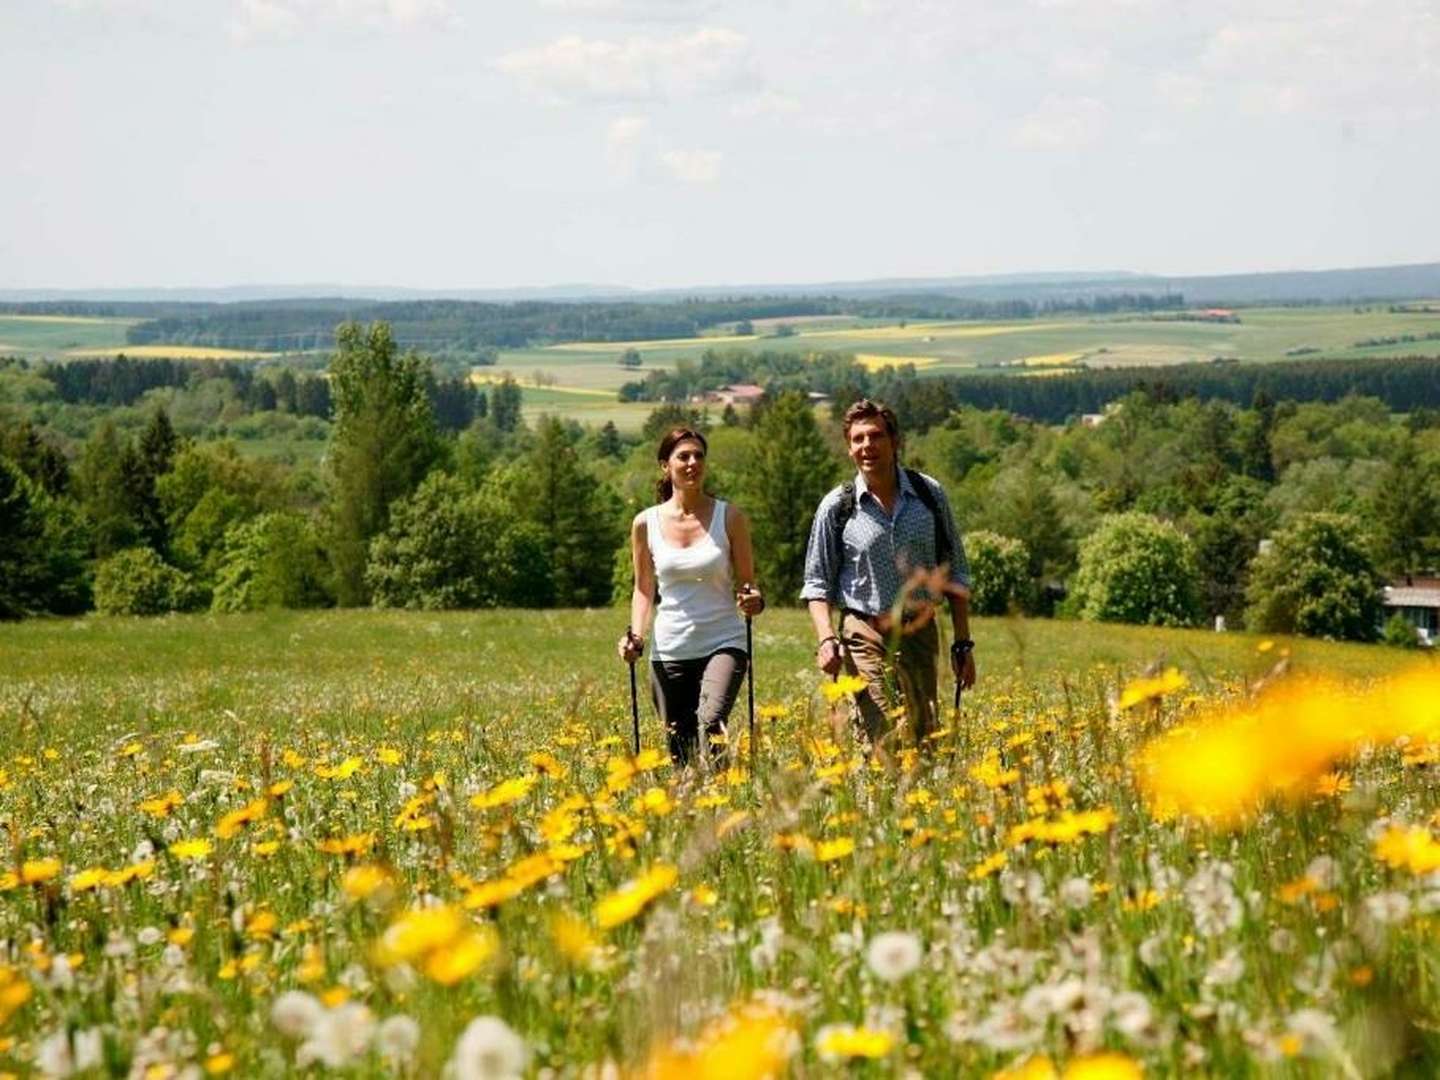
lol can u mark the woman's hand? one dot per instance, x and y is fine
(630, 647)
(750, 601)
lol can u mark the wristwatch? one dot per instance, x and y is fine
(960, 648)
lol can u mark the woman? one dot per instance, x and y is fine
(694, 548)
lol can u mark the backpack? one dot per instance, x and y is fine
(844, 510)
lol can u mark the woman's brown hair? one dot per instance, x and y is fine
(673, 438)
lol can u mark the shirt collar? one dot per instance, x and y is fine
(905, 488)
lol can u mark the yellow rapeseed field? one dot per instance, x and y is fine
(171, 352)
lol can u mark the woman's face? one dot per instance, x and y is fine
(686, 465)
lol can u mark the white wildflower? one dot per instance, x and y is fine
(63, 1055)
(295, 1013)
(893, 955)
(1324, 872)
(397, 1038)
(1132, 1016)
(488, 1050)
(1388, 907)
(1282, 941)
(1213, 903)
(1315, 1030)
(338, 1037)
(1227, 970)
(149, 935)
(1076, 893)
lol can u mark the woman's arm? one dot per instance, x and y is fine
(642, 596)
(742, 562)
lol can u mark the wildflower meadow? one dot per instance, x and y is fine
(380, 844)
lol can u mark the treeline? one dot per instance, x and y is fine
(1154, 513)
(455, 400)
(1401, 383)
(462, 326)
(939, 306)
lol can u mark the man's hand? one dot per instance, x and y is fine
(962, 664)
(630, 647)
(828, 656)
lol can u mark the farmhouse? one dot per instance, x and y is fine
(1418, 601)
(738, 394)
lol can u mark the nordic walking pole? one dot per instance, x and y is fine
(634, 698)
(750, 674)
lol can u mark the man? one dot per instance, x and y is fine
(883, 547)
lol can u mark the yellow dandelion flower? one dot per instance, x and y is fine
(219, 1064)
(573, 939)
(363, 882)
(232, 823)
(86, 880)
(843, 687)
(628, 901)
(1139, 691)
(462, 956)
(547, 764)
(196, 848)
(838, 848)
(1412, 849)
(162, 805)
(262, 925)
(357, 844)
(994, 864)
(844, 1042)
(1103, 1066)
(505, 793)
(387, 755)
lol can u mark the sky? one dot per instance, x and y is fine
(666, 143)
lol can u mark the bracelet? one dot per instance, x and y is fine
(826, 641)
(960, 648)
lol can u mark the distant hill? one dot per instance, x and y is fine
(1409, 282)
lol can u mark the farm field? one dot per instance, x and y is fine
(252, 844)
(1263, 335)
(67, 336)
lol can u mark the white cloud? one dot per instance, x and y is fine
(253, 20)
(1180, 91)
(1062, 123)
(693, 166)
(574, 68)
(765, 103)
(1079, 65)
(632, 9)
(622, 139)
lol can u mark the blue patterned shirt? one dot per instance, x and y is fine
(879, 551)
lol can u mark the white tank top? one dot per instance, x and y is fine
(697, 614)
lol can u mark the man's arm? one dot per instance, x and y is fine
(821, 588)
(958, 590)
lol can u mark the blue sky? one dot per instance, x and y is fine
(452, 143)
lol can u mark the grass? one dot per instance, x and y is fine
(431, 817)
(172, 352)
(35, 335)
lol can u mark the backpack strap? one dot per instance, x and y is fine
(840, 514)
(943, 547)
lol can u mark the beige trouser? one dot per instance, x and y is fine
(910, 680)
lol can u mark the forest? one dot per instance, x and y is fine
(430, 493)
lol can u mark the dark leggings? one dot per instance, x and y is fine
(696, 695)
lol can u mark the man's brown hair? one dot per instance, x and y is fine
(865, 409)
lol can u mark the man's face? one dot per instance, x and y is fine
(872, 448)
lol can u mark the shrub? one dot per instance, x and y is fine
(1400, 633)
(999, 572)
(272, 561)
(1317, 579)
(137, 581)
(1137, 569)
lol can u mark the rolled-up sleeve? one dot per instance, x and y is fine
(959, 564)
(822, 574)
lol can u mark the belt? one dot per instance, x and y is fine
(883, 623)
